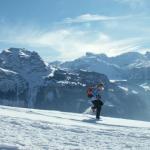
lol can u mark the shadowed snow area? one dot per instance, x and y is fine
(28, 129)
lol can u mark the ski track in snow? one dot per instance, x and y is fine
(28, 129)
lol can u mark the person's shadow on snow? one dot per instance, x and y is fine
(90, 120)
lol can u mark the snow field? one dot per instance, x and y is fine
(28, 129)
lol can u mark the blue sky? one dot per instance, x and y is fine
(67, 29)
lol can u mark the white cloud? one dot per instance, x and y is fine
(89, 18)
(70, 43)
(73, 43)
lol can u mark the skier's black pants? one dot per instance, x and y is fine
(97, 105)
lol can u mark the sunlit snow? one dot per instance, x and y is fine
(28, 129)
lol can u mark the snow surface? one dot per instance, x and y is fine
(69, 82)
(124, 88)
(145, 86)
(134, 92)
(28, 129)
(6, 71)
(113, 81)
(52, 72)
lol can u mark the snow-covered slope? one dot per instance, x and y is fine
(28, 129)
(126, 59)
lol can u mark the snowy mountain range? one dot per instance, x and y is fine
(27, 81)
(30, 129)
(118, 67)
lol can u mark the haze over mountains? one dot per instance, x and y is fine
(27, 81)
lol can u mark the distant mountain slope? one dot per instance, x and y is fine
(126, 59)
(114, 67)
(96, 63)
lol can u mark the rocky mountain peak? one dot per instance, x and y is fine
(102, 56)
(18, 59)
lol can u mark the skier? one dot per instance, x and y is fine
(95, 94)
